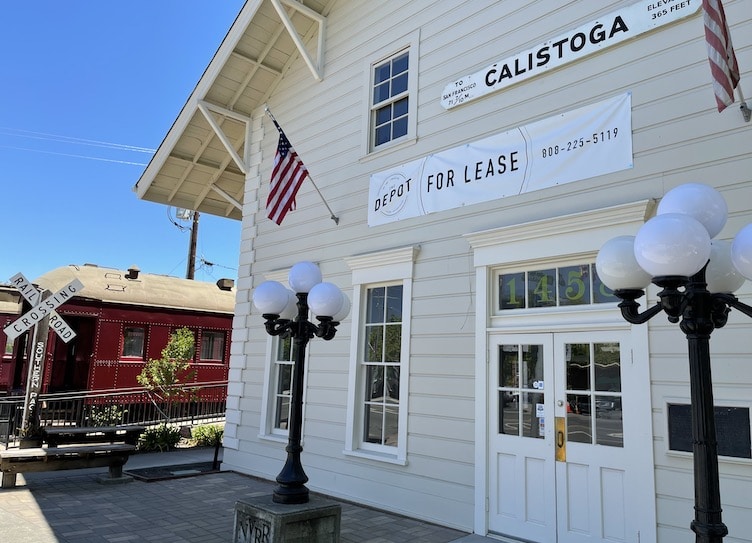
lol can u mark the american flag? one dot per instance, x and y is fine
(723, 66)
(288, 174)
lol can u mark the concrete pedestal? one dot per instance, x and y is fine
(260, 520)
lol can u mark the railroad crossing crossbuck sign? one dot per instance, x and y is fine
(42, 308)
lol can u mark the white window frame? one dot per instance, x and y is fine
(267, 430)
(409, 44)
(368, 271)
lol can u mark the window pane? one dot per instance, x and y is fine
(541, 288)
(393, 344)
(508, 366)
(399, 84)
(374, 383)
(383, 115)
(607, 367)
(601, 293)
(284, 346)
(282, 412)
(375, 305)
(381, 92)
(374, 423)
(212, 345)
(8, 346)
(284, 379)
(532, 424)
(608, 421)
(382, 72)
(400, 63)
(532, 366)
(383, 135)
(392, 384)
(509, 414)
(133, 341)
(578, 419)
(391, 425)
(578, 366)
(401, 107)
(394, 304)
(512, 290)
(399, 128)
(574, 285)
(374, 347)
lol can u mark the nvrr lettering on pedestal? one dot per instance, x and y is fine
(253, 530)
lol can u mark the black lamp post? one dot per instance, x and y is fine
(286, 314)
(697, 276)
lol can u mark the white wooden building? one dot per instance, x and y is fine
(477, 154)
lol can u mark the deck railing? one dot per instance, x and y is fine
(197, 403)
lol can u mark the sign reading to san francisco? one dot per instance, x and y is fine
(613, 28)
(579, 144)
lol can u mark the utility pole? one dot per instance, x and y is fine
(191, 270)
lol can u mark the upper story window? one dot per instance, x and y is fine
(134, 341)
(390, 99)
(212, 345)
(392, 95)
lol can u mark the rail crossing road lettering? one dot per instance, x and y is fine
(31, 294)
(42, 309)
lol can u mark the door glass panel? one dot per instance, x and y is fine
(578, 366)
(579, 423)
(607, 367)
(594, 418)
(532, 415)
(509, 414)
(608, 422)
(509, 369)
(520, 390)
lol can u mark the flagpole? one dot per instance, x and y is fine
(745, 109)
(331, 213)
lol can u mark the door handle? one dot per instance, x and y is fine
(560, 424)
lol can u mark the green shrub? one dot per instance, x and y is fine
(159, 438)
(208, 435)
(106, 415)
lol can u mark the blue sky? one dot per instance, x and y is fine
(89, 90)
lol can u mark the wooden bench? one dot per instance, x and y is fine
(70, 447)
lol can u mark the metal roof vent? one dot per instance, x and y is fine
(225, 284)
(133, 272)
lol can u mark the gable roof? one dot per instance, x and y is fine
(199, 165)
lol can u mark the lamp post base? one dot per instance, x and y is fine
(290, 494)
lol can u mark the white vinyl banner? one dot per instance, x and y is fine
(625, 23)
(579, 144)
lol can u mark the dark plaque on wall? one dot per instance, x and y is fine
(731, 428)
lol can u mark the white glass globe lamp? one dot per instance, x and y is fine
(291, 311)
(344, 311)
(721, 275)
(325, 299)
(672, 244)
(701, 202)
(617, 266)
(303, 276)
(270, 298)
(741, 252)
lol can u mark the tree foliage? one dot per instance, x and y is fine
(164, 378)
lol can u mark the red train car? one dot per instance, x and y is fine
(121, 320)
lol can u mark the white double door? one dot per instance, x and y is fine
(567, 458)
